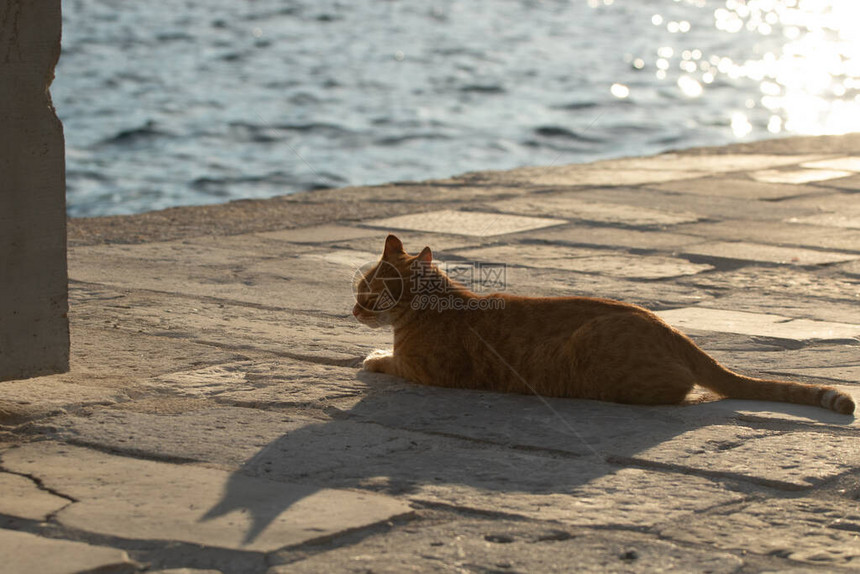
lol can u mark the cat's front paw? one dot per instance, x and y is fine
(378, 361)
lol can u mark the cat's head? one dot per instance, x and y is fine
(384, 291)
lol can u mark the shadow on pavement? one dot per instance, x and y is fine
(495, 452)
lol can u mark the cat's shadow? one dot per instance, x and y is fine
(446, 446)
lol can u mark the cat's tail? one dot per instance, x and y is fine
(714, 376)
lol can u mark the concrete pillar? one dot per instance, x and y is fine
(34, 327)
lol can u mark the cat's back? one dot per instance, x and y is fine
(545, 316)
(581, 308)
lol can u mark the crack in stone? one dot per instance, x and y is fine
(176, 554)
(132, 452)
(40, 485)
(711, 474)
(158, 554)
(419, 503)
(841, 486)
(784, 426)
(341, 415)
(740, 553)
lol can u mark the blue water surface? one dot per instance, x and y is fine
(182, 102)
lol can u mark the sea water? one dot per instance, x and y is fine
(181, 102)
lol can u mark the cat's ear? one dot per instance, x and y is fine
(393, 246)
(426, 256)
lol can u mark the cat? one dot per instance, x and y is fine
(576, 347)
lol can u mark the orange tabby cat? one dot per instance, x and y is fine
(578, 347)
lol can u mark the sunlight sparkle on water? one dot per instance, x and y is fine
(619, 90)
(741, 126)
(690, 87)
(805, 60)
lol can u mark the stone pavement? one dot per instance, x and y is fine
(215, 419)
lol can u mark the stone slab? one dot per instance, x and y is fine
(633, 266)
(134, 355)
(571, 207)
(318, 280)
(715, 208)
(847, 163)
(544, 486)
(841, 220)
(319, 234)
(704, 319)
(851, 268)
(100, 330)
(585, 235)
(847, 373)
(576, 176)
(349, 258)
(414, 241)
(146, 500)
(474, 545)
(187, 256)
(472, 223)
(850, 184)
(24, 499)
(816, 531)
(770, 253)
(766, 415)
(807, 287)
(798, 176)
(579, 426)
(237, 328)
(529, 423)
(703, 437)
(822, 201)
(25, 553)
(776, 232)
(547, 282)
(269, 384)
(503, 453)
(278, 279)
(33, 398)
(226, 437)
(760, 414)
(800, 308)
(230, 436)
(731, 187)
(797, 458)
(249, 243)
(586, 261)
(770, 357)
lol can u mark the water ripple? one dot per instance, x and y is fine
(212, 101)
